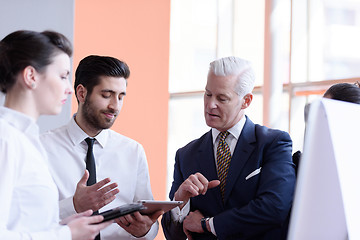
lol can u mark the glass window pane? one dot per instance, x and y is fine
(283, 117)
(186, 123)
(254, 111)
(193, 30)
(248, 36)
(334, 50)
(298, 122)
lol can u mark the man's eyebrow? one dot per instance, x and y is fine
(112, 91)
(108, 90)
(219, 95)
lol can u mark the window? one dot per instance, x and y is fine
(298, 49)
(325, 51)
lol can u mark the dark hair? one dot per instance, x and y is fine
(29, 48)
(344, 92)
(92, 67)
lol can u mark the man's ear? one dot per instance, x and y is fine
(247, 100)
(30, 76)
(81, 93)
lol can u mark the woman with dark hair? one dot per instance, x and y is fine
(34, 71)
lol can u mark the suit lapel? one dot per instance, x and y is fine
(241, 155)
(206, 158)
(207, 164)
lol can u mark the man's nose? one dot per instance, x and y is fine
(115, 104)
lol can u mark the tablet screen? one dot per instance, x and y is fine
(121, 211)
(152, 206)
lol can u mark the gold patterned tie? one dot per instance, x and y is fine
(223, 157)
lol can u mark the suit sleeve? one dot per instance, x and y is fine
(271, 205)
(172, 229)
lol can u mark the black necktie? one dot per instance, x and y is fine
(90, 162)
(90, 166)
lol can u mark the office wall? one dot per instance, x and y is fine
(137, 32)
(39, 15)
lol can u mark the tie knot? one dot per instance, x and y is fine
(223, 135)
(90, 141)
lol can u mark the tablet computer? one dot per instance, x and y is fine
(152, 206)
(121, 211)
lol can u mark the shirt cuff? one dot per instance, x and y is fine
(151, 234)
(179, 215)
(212, 228)
(66, 207)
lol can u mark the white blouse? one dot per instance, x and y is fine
(29, 198)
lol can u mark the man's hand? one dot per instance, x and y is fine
(136, 224)
(192, 223)
(194, 185)
(93, 197)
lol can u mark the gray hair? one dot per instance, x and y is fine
(230, 66)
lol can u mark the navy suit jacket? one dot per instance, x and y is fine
(255, 206)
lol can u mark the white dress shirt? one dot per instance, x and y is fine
(29, 199)
(118, 157)
(231, 140)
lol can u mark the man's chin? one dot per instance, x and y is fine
(105, 124)
(211, 124)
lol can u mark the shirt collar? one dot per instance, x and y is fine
(235, 131)
(77, 135)
(20, 121)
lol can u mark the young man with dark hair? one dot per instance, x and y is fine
(118, 162)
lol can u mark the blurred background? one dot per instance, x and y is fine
(298, 49)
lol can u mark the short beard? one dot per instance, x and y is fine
(91, 118)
